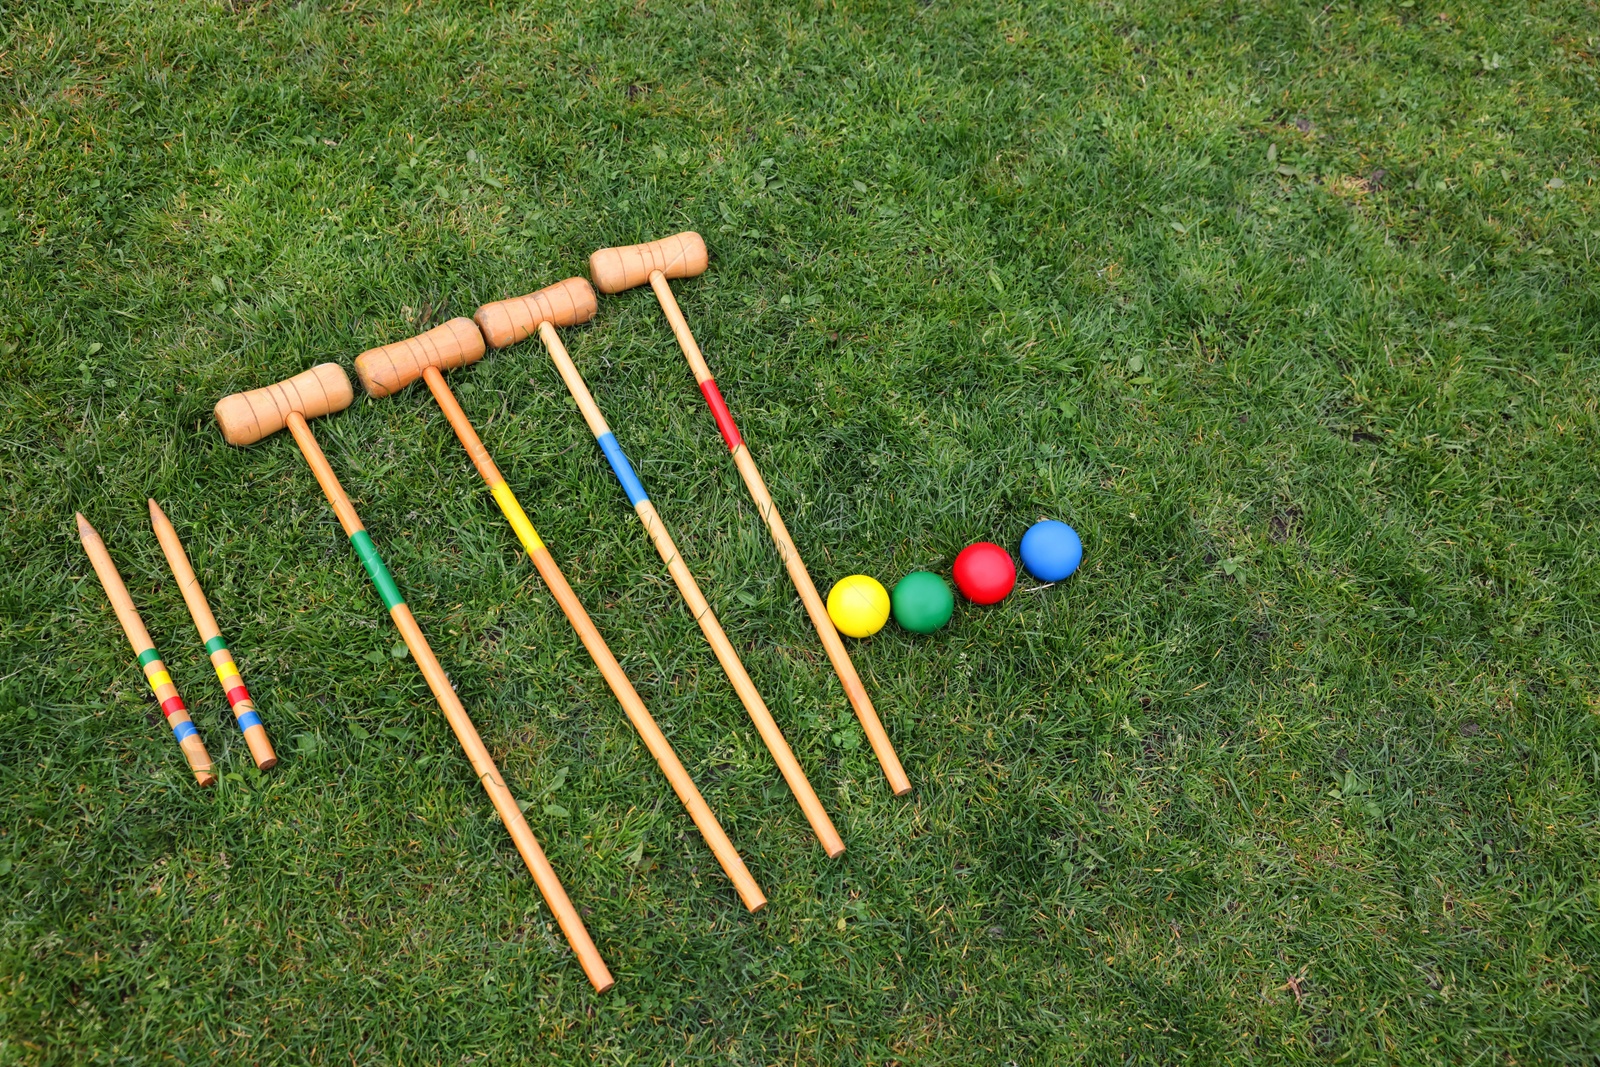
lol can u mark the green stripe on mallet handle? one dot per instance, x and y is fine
(248, 417)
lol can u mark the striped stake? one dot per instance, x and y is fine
(244, 709)
(684, 256)
(155, 672)
(248, 417)
(508, 321)
(456, 343)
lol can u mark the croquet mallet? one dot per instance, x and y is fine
(684, 256)
(246, 418)
(244, 708)
(155, 672)
(505, 323)
(454, 344)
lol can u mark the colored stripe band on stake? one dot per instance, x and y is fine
(516, 516)
(172, 705)
(238, 695)
(622, 469)
(247, 720)
(216, 644)
(376, 570)
(182, 730)
(148, 656)
(226, 673)
(720, 412)
(159, 679)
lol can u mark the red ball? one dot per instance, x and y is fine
(984, 573)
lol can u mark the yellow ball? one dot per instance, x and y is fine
(858, 606)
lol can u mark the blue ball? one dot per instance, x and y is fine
(1051, 550)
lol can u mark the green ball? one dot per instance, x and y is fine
(922, 602)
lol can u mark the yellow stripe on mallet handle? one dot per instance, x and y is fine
(244, 708)
(155, 672)
(456, 343)
(684, 256)
(248, 417)
(509, 321)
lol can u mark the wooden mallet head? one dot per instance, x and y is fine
(247, 417)
(683, 255)
(393, 367)
(505, 322)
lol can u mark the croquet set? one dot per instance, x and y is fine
(857, 605)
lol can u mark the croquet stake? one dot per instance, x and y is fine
(238, 697)
(155, 672)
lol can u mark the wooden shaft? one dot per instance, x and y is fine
(233, 688)
(155, 672)
(443, 692)
(544, 876)
(866, 714)
(574, 381)
(345, 511)
(457, 418)
(689, 589)
(654, 740)
(749, 696)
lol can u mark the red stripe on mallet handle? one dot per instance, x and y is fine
(683, 255)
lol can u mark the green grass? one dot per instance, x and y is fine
(1289, 308)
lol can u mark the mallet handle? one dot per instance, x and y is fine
(689, 589)
(626, 695)
(155, 672)
(877, 737)
(244, 709)
(482, 763)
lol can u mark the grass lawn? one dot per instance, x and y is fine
(1291, 309)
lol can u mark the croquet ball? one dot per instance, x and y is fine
(858, 605)
(1051, 550)
(922, 602)
(984, 572)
